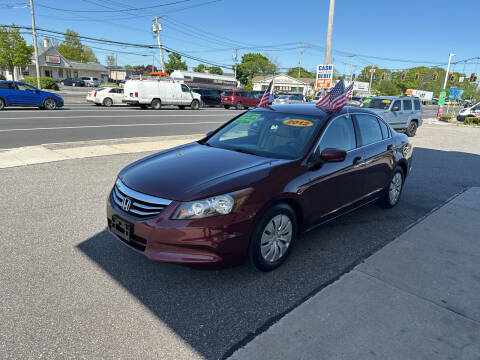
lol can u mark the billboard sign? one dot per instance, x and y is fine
(52, 59)
(324, 77)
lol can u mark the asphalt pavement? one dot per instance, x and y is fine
(70, 290)
(32, 126)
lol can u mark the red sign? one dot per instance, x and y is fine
(52, 59)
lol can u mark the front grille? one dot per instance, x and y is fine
(135, 203)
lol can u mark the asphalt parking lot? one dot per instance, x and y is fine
(69, 290)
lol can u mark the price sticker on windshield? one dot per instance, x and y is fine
(386, 101)
(297, 122)
(247, 119)
(366, 101)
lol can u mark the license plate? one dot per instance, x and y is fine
(122, 228)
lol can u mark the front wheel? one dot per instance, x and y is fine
(394, 189)
(195, 105)
(2, 104)
(156, 104)
(412, 129)
(239, 106)
(50, 104)
(272, 237)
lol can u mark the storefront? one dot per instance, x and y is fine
(285, 83)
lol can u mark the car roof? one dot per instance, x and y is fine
(312, 110)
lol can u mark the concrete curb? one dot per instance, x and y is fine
(45, 153)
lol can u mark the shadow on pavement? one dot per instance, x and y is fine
(217, 311)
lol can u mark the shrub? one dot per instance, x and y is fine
(471, 120)
(446, 118)
(45, 82)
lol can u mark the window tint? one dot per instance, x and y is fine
(407, 104)
(397, 104)
(340, 134)
(185, 88)
(416, 103)
(25, 87)
(369, 129)
(5, 86)
(384, 128)
(227, 93)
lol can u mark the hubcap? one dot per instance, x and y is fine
(276, 238)
(395, 188)
(50, 104)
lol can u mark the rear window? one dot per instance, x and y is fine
(416, 103)
(227, 93)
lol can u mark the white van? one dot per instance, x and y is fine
(156, 93)
(469, 111)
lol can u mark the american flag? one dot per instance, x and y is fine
(336, 99)
(267, 96)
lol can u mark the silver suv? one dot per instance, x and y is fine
(91, 81)
(403, 113)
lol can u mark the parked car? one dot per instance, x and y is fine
(403, 113)
(239, 99)
(289, 99)
(250, 187)
(72, 82)
(90, 81)
(470, 111)
(157, 93)
(209, 97)
(21, 94)
(106, 96)
(434, 101)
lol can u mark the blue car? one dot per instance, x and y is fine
(21, 94)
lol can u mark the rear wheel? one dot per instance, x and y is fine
(226, 106)
(107, 102)
(272, 237)
(412, 128)
(394, 189)
(156, 104)
(239, 106)
(195, 105)
(2, 104)
(50, 104)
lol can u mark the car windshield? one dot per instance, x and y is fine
(268, 133)
(283, 97)
(382, 104)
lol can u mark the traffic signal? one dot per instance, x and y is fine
(383, 76)
(404, 75)
(473, 77)
(417, 75)
(451, 77)
(435, 76)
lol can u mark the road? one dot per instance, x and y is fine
(69, 290)
(31, 126)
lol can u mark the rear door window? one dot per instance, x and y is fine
(370, 131)
(384, 128)
(407, 105)
(416, 103)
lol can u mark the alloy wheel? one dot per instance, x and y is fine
(50, 104)
(276, 238)
(395, 188)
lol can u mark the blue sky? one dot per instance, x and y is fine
(420, 30)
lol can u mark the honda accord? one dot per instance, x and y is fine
(249, 188)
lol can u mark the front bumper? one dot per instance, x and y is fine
(211, 243)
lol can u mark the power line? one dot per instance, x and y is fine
(116, 11)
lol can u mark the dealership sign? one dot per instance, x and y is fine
(52, 59)
(324, 76)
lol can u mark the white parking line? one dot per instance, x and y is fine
(106, 116)
(112, 125)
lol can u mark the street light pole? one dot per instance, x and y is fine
(329, 32)
(34, 35)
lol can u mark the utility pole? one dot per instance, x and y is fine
(372, 70)
(448, 69)
(235, 59)
(351, 68)
(153, 61)
(329, 32)
(300, 58)
(156, 29)
(34, 35)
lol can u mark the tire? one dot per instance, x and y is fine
(156, 104)
(2, 104)
(239, 106)
(226, 106)
(460, 118)
(181, 107)
(50, 104)
(195, 105)
(412, 128)
(259, 255)
(394, 189)
(107, 102)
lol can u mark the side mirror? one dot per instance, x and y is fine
(395, 108)
(37, 91)
(333, 155)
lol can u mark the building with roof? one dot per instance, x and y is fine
(53, 64)
(285, 83)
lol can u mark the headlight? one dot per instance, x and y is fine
(213, 206)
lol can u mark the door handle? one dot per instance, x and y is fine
(357, 160)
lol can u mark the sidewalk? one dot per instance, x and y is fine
(416, 298)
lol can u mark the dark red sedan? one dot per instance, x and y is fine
(250, 187)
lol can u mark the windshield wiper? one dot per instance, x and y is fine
(244, 151)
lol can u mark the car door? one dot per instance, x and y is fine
(335, 185)
(117, 95)
(377, 146)
(407, 111)
(9, 92)
(394, 116)
(28, 95)
(187, 96)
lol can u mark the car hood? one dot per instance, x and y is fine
(192, 171)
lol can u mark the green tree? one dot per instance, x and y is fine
(175, 63)
(293, 72)
(13, 49)
(200, 68)
(215, 70)
(252, 65)
(385, 88)
(73, 49)
(212, 69)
